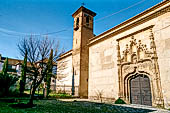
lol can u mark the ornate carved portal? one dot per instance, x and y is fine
(137, 59)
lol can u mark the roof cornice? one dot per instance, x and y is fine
(84, 10)
(66, 54)
(148, 14)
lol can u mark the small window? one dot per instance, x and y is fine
(85, 15)
(13, 67)
(77, 22)
(76, 25)
(87, 20)
(54, 71)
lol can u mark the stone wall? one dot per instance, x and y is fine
(103, 69)
(64, 75)
(162, 39)
(103, 78)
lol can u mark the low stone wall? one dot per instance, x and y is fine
(102, 99)
(64, 89)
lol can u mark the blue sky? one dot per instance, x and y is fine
(21, 17)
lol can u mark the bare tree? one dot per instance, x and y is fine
(38, 52)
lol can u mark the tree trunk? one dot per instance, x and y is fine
(33, 89)
(48, 86)
(30, 89)
(32, 96)
(45, 90)
(21, 89)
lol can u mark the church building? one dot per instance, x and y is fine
(130, 61)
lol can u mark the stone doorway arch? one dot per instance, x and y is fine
(140, 89)
(138, 59)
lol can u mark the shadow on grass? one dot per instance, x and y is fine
(57, 106)
(102, 107)
(8, 100)
(17, 103)
(22, 105)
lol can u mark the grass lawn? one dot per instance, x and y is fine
(52, 106)
(56, 106)
(52, 95)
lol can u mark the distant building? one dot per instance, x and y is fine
(54, 72)
(14, 65)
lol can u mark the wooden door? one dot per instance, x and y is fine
(140, 90)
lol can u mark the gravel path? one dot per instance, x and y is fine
(123, 108)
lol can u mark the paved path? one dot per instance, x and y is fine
(142, 108)
(123, 108)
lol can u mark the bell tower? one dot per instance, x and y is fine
(83, 31)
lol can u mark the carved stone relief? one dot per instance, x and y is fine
(138, 58)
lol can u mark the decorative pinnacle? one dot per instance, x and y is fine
(118, 47)
(151, 34)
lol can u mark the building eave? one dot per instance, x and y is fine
(134, 21)
(84, 10)
(64, 55)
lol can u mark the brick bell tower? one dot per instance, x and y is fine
(83, 31)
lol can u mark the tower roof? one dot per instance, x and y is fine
(83, 9)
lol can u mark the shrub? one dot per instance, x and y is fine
(120, 101)
(13, 93)
(6, 81)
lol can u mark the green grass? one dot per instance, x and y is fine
(53, 95)
(52, 106)
(61, 95)
(56, 106)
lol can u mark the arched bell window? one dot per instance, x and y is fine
(87, 20)
(76, 25)
(77, 22)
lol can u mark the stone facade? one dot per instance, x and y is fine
(108, 63)
(64, 79)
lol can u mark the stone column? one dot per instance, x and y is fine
(157, 82)
(119, 71)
